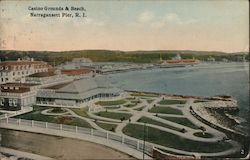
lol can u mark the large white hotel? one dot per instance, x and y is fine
(15, 71)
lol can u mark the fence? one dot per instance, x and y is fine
(113, 137)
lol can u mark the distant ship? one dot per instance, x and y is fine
(177, 61)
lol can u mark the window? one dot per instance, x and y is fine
(1, 101)
(14, 102)
(10, 102)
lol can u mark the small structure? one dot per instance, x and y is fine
(15, 96)
(225, 60)
(81, 72)
(76, 92)
(211, 59)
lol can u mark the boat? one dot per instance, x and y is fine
(176, 61)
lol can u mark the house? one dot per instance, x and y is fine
(15, 71)
(15, 96)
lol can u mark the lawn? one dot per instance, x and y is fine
(114, 115)
(80, 111)
(174, 141)
(115, 107)
(131, 98)
(200, 101)
(107, 126)
(72, 121)
(166, 110)
(130, 105)
(57, 110)
(150, 101)
(143, 95)
(151, 121)
(111, 103)
(181, 120)
(140, 108)
(136, 101)
(37, 116)
(171, 101)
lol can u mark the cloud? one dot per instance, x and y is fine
(171, 18)
(145, 16)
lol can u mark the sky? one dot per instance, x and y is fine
(206, 25)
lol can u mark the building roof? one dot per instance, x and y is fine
(79, 86)
(19, 84)
(72, 72)
(42, 74)
(57, 86)
(21, 62)
(16, 87)
(80, 89)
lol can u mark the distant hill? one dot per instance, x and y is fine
(118, 56)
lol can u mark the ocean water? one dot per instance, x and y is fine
(201, 80)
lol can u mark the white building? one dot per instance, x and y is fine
(77, 92)
(15, 96)
(15, 71)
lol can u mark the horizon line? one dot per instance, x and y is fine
(121, 50)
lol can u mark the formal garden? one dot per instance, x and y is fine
(159, 120)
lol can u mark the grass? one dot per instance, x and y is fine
(150, 101)
(57, 110)
(114, 115)
(72, 121)
(142, 94)
(166, 110)
(130, 105)
(37, 116)
(181, 120)
(107, 126)
(174, 141)
(80, 111)
(124, 110)
(136, 101)
(205, 135)
(151, 121)
(131, 98)
(115, 107)
(111, 103)
(171, 101)
(199, 101)
(140, 108)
